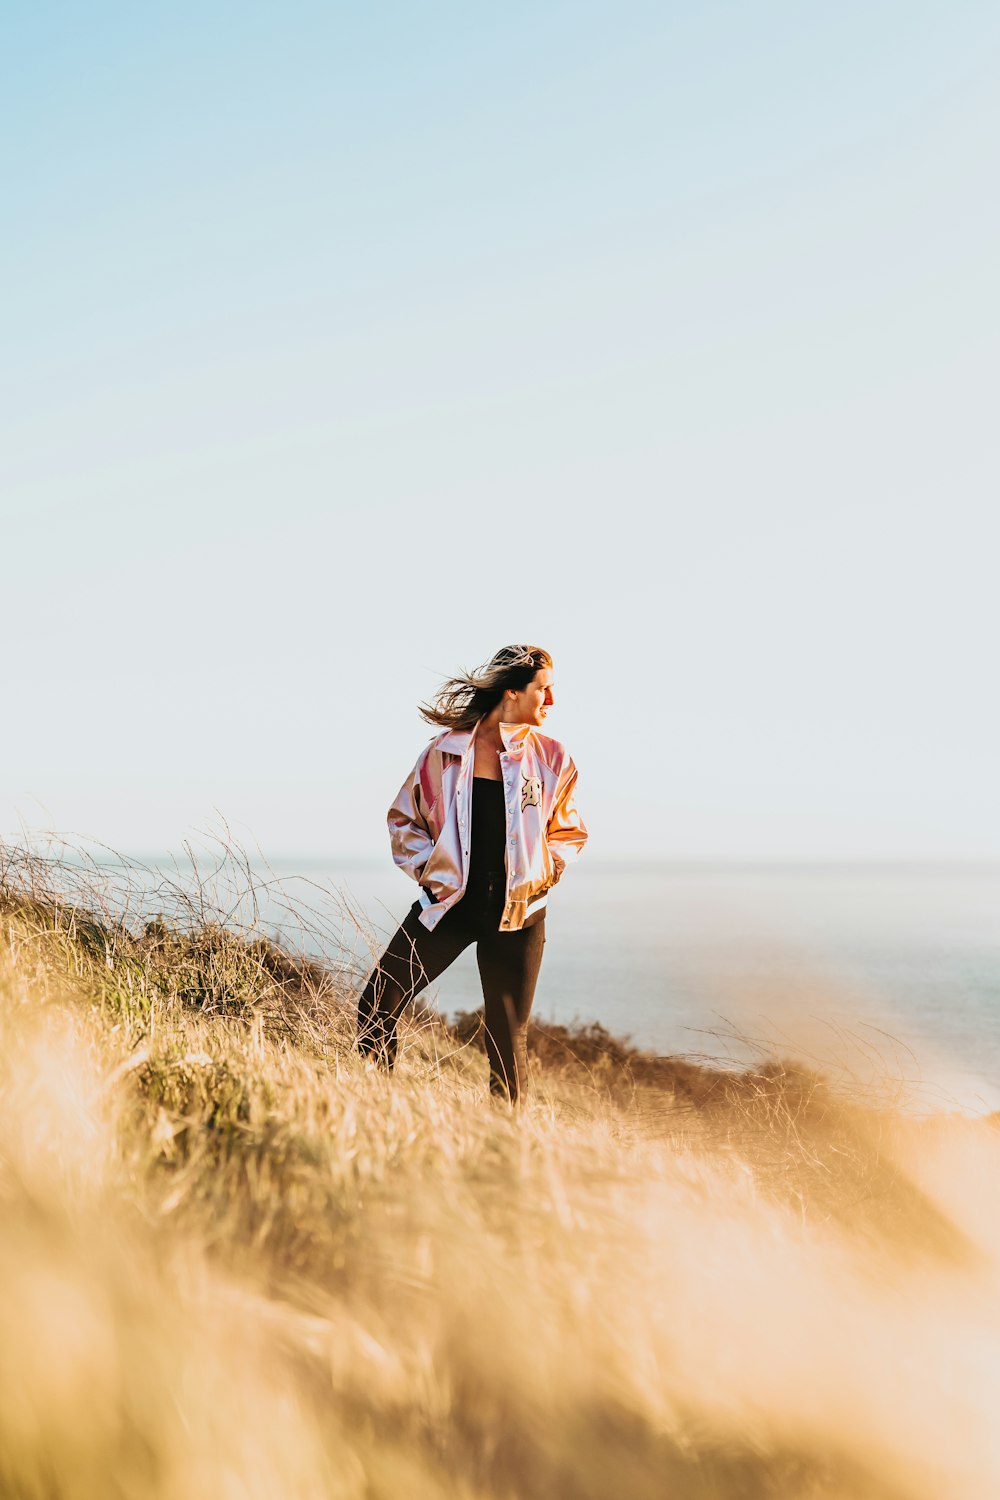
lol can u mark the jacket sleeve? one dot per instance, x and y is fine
(565, 832)
(409, 831)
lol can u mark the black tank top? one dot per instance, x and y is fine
(489, 830)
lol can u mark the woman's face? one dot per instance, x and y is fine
(531, 704)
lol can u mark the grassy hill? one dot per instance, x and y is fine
(236, 1260)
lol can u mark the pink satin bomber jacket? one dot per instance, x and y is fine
(430, 822)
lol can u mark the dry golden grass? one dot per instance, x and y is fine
(238, 1261)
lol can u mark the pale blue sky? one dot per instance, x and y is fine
(342, 345)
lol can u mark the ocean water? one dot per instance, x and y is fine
(888, 975)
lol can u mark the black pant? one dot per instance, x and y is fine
(508, 968)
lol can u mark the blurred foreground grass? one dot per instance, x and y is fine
(238, 1261)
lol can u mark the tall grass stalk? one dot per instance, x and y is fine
(236, 1260)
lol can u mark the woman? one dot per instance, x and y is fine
(485, 823)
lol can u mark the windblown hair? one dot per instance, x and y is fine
(461, 701)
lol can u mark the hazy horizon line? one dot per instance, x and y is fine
(619, 861)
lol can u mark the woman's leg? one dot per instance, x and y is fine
(414, 958)
(508, 965)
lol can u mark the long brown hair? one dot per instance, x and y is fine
(461, 701)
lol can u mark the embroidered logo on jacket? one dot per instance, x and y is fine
(531, 792)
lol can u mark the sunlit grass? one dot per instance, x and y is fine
(237, 1260)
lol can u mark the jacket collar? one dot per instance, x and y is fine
(515, 737)
(458, 741)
